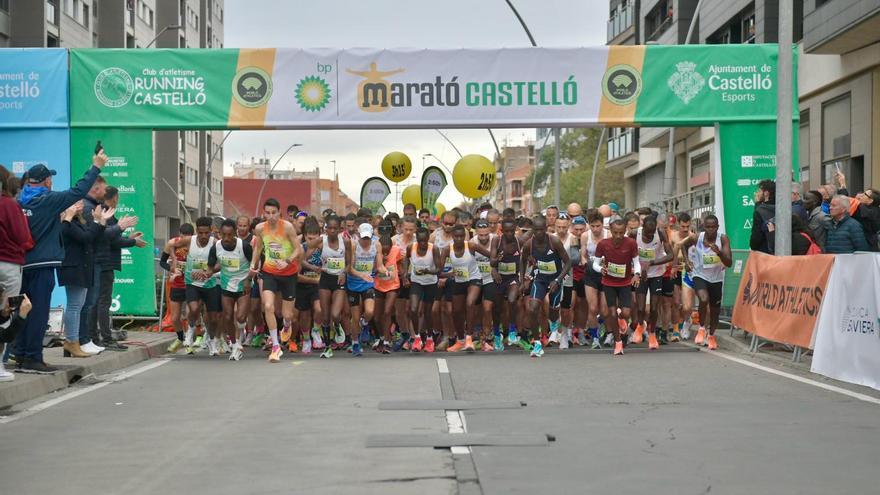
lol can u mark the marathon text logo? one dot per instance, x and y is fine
(857, 320)
(781, 298)
(377, 94)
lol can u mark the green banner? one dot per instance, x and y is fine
(747, 156)
(373, 194)
(129, 170)
(433, 183)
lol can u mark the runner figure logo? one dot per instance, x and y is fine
(374, 92)
(685, 83)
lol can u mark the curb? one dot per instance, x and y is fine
(27, 387)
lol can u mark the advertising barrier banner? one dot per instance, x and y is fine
(129, 170)
(779, 297)
(33, 87)
(847, 343)
(411, 88)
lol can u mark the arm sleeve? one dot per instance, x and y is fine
(597, 258)
(63, 199)
(212, 256)
(637, 267)
(248, 251)
(163, 262)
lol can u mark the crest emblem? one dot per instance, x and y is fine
(685, 83)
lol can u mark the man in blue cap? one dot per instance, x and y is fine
(42, 206)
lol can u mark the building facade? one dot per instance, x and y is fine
(516, 162)
(838, 83)
(187, 165)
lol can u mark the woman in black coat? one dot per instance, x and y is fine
(78, 270)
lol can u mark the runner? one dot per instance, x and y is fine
(404, 240)
(277, 240)
(579, 304)
(654, 253)
(487, 240)
(508, 256)
(571, 243)
(713, 256)
(466, 282)
(231, 258)
(550, 259)
(442, 238)
(595, 298)
(387, 286)
(366, 257)
(308, 304)
(617, 259)
(423, 260)
(335, 257)
(177, 296)
(256, 322)
(683, 290)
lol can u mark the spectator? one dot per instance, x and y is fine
(15, 241)
(819, 221)
(868, 214)
(797, 203)
(43, 206)
(12, 320)
(762, 219)
(801, 240)
(845, 234)
(828, 191)
(77, 273)
(105, 294)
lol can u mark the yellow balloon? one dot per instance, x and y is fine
(439, 209)
(396, 166)
(412, 194)
(474, 176)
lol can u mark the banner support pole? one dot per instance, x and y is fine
(783, 131)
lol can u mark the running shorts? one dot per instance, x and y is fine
(426, 293)
(355, 298)
(209, 297)
(178, 294)
(618, 297)
(285, 284)
(306, 295)
(541, 288)
(715, 290)
(330, 282)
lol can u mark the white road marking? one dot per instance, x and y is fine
(825, 386)
(42, 406)
(441, 366)
(455, 421)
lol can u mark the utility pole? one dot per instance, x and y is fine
(783, 131)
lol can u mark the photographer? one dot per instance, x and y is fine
(13, 316)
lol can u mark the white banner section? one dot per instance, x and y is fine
(847, 345)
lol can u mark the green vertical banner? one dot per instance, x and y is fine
(130, 169)
(373, 194)
(746, 155)
(433, 183)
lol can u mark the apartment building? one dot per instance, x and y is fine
(516, 162)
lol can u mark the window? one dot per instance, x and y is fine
(739, 29)
(700, 170)
(620, 20)
(836, 128)
(192, 176)
(804, 148)
(4, 5)
(516, 188)
(658, 19)
(95, 8)
(181, 141)
(86, 18)
(748, 28)
(621, 141)
(51, 12)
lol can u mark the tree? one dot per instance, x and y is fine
(577, 147)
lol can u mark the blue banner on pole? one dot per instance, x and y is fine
(33, 87)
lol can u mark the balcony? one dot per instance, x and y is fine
(621, 21)
(623, 147)
(841, 26)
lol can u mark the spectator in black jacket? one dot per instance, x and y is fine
(12, 321)
(114, 264)
(762, 220)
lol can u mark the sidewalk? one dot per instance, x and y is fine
(141, 347)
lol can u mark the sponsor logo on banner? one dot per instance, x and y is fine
(115, 87)
(622, 84)
(858, 319)
(758, 161)
(685, 83)
(18, 87)
(312, 93)
(252, 87)
(779, 297)
(377, 94)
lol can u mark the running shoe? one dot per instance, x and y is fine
(676, 336)
(596, 344)
(469, 344)
(317, 341)
(498, 343)
(386, 347)
(292, 347)
(275, 355)
(701, 336)
(564, 340)
(307, 347)
(286, 332)
(189, 337)
(552, 339)
(407, 345)
(638, 334)
(212, 347)
(456, 347)
(429, 344)
(328, 353)
(618, 348)
(364, 337)
(512, 337)
(340, 335)
(487, 347)
(191, 349)
(441, 344)
(223, 346)
(237, 352)
(199, 342)
(356, 349)
(713, 344)
(662, 337)
(609, 339)
(537, 349)
(379, 348)
(174, 347)
(622, 325)
(686, 330)
(417, 344)
(257, 340)
(524, 345)
(653, 344)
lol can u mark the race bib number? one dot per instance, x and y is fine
(364, 266)
(275, 251)
(311, 275)
(647, 254)
(448, 266)
(388, 276)
(230, 263)
(200, 264)
(616, 270)
(485, 267)
(711, 259)
(335, 265)
(507, 268)
(546, 267)
(461, 274)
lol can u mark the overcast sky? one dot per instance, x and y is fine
(392, 24)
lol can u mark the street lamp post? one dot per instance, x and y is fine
(269, 174)
(204, 178)
(166, 28)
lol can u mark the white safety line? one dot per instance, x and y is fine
(441, 366)
(455, 421)
(42, 406)
(825, 386)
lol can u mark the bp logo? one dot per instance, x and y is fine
(622, 84)
(685, 83)
(113, 87)
(252, 87)
(312, 93)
